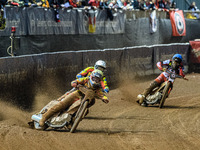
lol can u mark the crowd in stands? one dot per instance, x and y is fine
(118, 4)
(164, 5)
(194, 9)
(109, 5)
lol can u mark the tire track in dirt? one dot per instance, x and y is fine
(120, 125)
(17, 138)
(168, 116)
(3, 137)
(177, 122)
(128, 136)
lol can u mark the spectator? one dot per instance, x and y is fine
(113, 4)
(94, 4)
(152, 5)
(26, 3)
(34, 3)
(66, 4)
(2, 3)
(104, 5)
(144, 4)
(162, 5)
(45, 3)
(73, 3)
(15, 3)
(136, 4)
(79, 4)
(167, 4)
(2, 19)
(55, 3)
(147, 2)
(194, 8)
(173, 6)
(139, 4)
(126, 4)
(120, 4)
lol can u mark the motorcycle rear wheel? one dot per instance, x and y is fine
(165, 93)
(79, 117)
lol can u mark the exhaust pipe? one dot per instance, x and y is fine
(36, 118)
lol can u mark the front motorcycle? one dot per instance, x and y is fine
(159, 94)
(69, 118)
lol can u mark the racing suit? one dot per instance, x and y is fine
(168, 65)
(87, 71)
(164, 76)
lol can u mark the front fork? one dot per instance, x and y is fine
(170, 89)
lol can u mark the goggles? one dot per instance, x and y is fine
(101, 68)
(96, 79)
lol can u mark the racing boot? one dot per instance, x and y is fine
(142, 96)
(65, 103)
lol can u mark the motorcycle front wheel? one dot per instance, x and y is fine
(165, 93)
(79, 117)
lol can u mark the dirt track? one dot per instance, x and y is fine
(121, 124)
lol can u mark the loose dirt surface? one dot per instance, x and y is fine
(119, 125)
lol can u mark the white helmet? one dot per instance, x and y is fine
(100, 64)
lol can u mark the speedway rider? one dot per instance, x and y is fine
(91, 82)
(100, 65)
(175, 65)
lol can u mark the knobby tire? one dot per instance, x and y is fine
(79, 117)
(165, 93)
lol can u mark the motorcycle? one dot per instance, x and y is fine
(69, 118)
(159, 94)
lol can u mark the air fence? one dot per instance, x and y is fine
(22, 77)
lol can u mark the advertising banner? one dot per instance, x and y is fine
(92, 22)
(99, 23)
(153, 22)
(15, 17)
(43, 21)
(195, 52)
(178, 23)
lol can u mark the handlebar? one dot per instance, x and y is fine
(174, 75)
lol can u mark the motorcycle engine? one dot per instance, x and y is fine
(59, 120)
(153, 99)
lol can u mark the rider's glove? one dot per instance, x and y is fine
(106, 90)
(164, 69)
(105, 99)
(74, 83)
